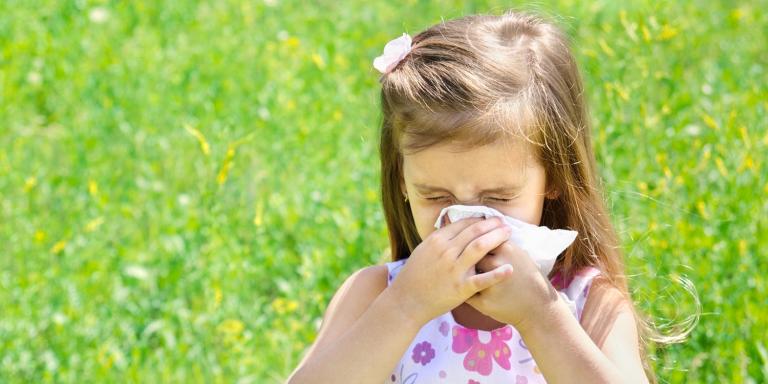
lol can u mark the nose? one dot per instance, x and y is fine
(467, 202)
(447, 220)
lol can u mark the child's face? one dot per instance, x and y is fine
(466, 178)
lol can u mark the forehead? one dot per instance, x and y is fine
(502, 163)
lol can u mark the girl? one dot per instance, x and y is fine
(483, 110)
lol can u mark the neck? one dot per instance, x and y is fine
(469, 317)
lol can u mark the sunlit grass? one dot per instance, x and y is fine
(183, 185)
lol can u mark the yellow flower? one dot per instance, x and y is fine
(59, 246)
(745, 136)
(295, 325)
(737, 14)
(702, 209)
(710, 121)
(221, 178)
(258, 219)
(341, 61)
(747, 163)
(30, 183)
(93, 188)
(604, 46)
(318, 60)
(292, 42)
(371, 195)
(200, 138)
(667, 32)
(283, 306)
(646, 34)
(104, 357)
(217, 296)
(231, 327)
(94, 224)
(621, 91)
(39, 236)
(721, 167)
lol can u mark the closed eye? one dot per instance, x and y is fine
(443, 197)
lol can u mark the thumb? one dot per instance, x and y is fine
(490, 278)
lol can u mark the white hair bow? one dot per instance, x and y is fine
(394, 51)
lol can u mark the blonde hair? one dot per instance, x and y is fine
(481, 78)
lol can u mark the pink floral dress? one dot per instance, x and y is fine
(446, 352)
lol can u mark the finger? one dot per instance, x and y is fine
(488, 279)
(451, 230)
(480, 246)
(488, 263)
(474, 301)
(477, 229)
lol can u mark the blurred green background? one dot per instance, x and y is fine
(184, 185)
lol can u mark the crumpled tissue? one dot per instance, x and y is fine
(542, 244)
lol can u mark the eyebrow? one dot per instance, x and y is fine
(501, 189)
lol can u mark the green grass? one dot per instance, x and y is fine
(183, 185)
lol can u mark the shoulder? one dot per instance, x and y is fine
(356, 293)
(361, 287)
(351, 300)
(609, 319)
(605, 302)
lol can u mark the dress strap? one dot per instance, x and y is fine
(575, 291)
(393, 268)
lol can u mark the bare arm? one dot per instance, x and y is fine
(364, 334)
(565, 353)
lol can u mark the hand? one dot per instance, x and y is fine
(440, 273)
(516, 300)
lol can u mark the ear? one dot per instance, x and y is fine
(552, 191)
(552, 194)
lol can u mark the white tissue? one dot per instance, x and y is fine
(542, 244)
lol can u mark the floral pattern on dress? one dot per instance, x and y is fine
(444, 328)
(423, 353)
(480, 356)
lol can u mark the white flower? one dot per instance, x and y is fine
(98, 15)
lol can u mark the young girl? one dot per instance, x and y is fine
(483, 110)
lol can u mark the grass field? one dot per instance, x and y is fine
(184, 185)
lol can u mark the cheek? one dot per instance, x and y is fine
(425, 217)
(529, 212)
